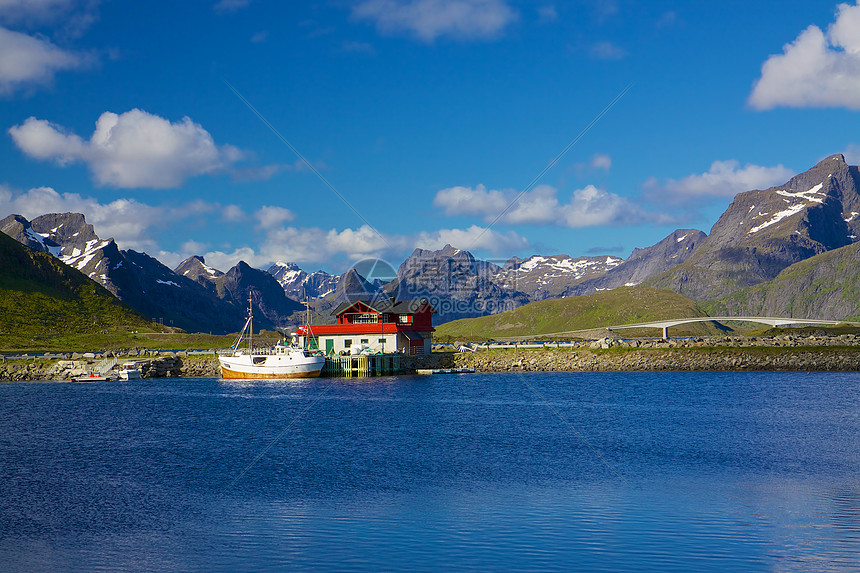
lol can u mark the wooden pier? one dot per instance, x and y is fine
(355, 366)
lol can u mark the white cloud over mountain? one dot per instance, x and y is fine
(342, 247)
(132, 149)
(137, 225)
(818, 69)
(431, 19)
(128, 221)
(30, 61)
(586, 207)
(724, 179)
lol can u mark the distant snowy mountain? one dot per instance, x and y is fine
(542, 277)
(642, 264)
(456, 283)
(300, 285)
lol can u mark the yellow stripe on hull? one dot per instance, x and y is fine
(227, 374)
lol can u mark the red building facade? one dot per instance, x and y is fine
(376, 325)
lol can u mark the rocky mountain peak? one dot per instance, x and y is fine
(68, 229)
(20, 229)
(270, 302)
(196, 269)
(764, 231)
(352, 286)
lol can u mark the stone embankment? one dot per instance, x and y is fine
(790, 352)
(838, 353)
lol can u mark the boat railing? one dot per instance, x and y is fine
(258, 350)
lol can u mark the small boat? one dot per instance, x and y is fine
(129, 371)
(93, 377)
(276, 362)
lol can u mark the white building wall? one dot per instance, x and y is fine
(377, 342)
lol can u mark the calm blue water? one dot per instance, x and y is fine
(603, 471)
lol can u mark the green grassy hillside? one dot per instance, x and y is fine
(626, 305)
(826, 286)
(44, 304)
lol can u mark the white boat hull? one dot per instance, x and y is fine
(249, 366)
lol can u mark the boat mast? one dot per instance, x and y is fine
(307, 304)
(250, 323)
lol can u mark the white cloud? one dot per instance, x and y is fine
(587, 207)
(852, 154)
(193, 247)
(432, 19)
(271, 216)
(818, 69)
(233, 213)
(473, 238)
(601, 161)
(220, 260)
(133, 149)
(28, 61)
(723, 179)
(467, 201)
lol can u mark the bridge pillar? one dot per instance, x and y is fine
(665, 333)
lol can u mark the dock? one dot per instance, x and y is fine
(94, 378)
(428, 371)
(357, 366)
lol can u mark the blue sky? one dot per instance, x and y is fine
(425, 118)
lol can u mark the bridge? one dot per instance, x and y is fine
(769, 320)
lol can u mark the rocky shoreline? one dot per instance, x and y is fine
(808, 359)
(158, 366)
(790, 352)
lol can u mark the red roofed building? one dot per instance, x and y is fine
(379, 325)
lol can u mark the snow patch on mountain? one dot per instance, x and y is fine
(812, 195)
(79, 258)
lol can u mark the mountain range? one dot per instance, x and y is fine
(786, 250)
(43, 299)
(151, 288)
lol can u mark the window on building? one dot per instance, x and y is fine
(381, 341)
(365, 340)
(405, 318)
(347, 343)
(365, 318)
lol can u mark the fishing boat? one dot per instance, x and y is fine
(275, 362)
